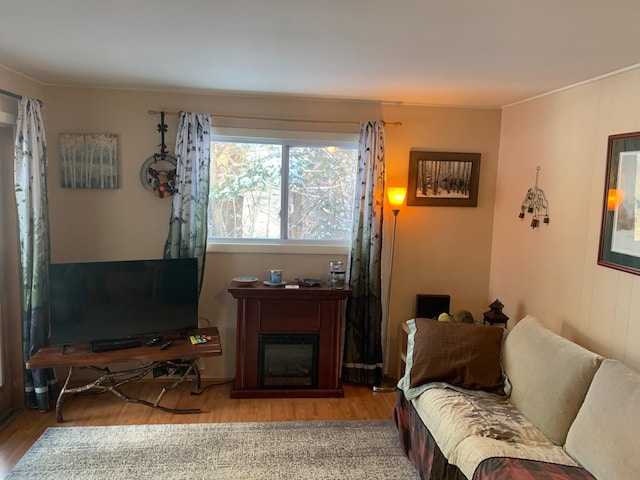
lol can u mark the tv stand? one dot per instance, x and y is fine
(150, 357)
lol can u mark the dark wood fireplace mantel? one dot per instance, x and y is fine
(266, 310)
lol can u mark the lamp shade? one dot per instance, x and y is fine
(396, 196)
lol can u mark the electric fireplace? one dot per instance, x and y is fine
(288, 341)
(288, 361)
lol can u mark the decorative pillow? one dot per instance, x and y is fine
(462, 355)
(604, 435)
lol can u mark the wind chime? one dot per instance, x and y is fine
(158, 172)
(536, 203)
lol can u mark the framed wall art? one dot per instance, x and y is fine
(620, 230)
(88, 160)
(443, 179)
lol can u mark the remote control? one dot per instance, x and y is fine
(166, 345)
(153, 341)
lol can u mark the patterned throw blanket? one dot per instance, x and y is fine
(477, 438)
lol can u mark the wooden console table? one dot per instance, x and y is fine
(182, 354)
(262, 310)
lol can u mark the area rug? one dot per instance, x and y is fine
(315, 450)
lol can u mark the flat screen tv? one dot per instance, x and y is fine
(107, 301)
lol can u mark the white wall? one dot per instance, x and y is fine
(438, 250)
(552, 271)
(441, 250)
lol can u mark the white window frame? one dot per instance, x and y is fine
(292, 138)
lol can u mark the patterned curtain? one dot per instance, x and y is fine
(362, 362)
(30, 177)
(188, 222)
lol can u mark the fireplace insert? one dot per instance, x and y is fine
(288, 361)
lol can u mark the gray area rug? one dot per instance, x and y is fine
(316, 450)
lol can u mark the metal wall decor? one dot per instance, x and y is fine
(158, 172)
(536, 203)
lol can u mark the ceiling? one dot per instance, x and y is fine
(472, 53)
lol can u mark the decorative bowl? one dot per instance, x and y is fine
(245, 280)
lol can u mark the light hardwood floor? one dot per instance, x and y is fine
(359, 403)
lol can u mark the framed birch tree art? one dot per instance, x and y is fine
(88, 160)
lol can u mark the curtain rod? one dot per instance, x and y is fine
(343, 122)
(16, 96)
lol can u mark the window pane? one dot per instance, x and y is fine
(311, 183)
(321, 183)
(244, 193)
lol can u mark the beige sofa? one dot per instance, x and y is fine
(564, 412)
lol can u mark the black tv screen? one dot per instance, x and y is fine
(100, 301)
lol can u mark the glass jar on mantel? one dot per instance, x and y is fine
(337, 275)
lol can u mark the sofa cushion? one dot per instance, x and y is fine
(549, 376)
(463, 355)
(604, 435)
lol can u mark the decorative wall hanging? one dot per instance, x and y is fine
(620, 229)
(536, 203)
(158, 172)
(442, 179)
(88, 160)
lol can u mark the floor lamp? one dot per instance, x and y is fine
(396, 196)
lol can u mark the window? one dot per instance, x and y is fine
(254, 180)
